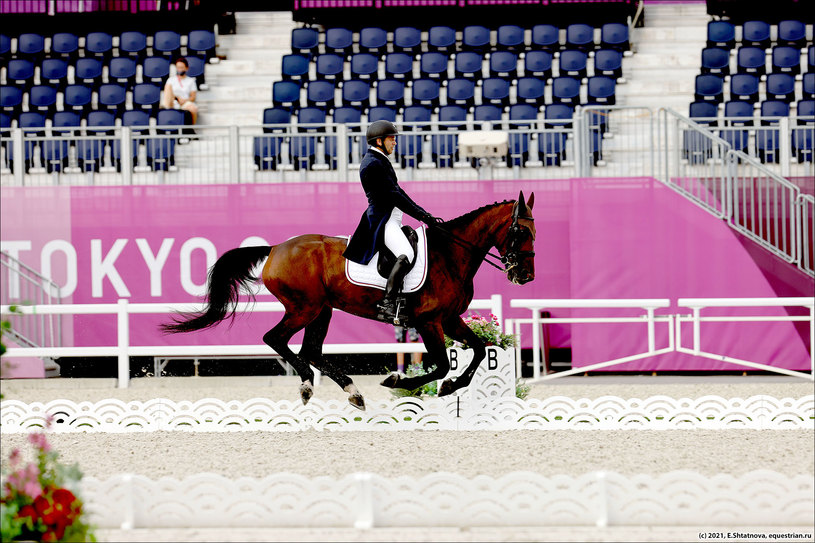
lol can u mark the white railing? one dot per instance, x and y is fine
(123, 350)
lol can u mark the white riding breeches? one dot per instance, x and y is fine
(395, 239)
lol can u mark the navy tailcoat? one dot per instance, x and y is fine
(384, 193)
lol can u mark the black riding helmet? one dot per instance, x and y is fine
(380, 129)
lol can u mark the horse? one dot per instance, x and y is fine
(306, 274)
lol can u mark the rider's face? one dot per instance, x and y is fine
(389, 144)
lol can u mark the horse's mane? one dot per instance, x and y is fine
(468, 217)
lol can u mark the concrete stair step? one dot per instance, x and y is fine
(232, 68)
(223, 94)
(672, 33)
(246, 117)
(264, 41)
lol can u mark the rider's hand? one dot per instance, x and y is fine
(433, 221)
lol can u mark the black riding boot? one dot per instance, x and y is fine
(388, 305)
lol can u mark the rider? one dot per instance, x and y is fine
(381, 224)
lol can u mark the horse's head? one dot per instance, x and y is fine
(517, 247)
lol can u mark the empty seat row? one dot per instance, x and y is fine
(754, 60)
(757, 33)
(749, 88)
(80, 99)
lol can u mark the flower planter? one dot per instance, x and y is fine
(495, 376)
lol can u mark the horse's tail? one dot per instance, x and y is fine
(230, 273)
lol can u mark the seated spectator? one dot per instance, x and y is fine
(180, 90)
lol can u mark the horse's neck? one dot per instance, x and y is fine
(482, 233)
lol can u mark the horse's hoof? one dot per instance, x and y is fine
(357, 401)
(446, 387)
(306, 392)
(391, 380)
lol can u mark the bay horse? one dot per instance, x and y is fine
(307, 275)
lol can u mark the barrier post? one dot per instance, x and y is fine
(123, 346)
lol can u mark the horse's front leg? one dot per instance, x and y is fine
(433, 338)
(457, 329)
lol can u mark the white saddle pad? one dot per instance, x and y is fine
(367, 276)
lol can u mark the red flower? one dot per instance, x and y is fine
(27, 511)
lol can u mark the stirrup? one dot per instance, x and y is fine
(389, 310)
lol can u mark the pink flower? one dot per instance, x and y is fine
(39, 441)
(14, 458)
(26, 480)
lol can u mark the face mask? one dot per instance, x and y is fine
(181, 72)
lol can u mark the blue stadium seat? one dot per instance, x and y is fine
(390, 92)
(573, 63)
(55, 150)
(20, 73)
(275, 116)
(139, 124)
(744, 87)
(504, 64)
(608, 62)
(373, 40)
(311, 116)
(538, 64)
(566, 90)
(419, 115)
(347, 115)
(33, 124)
(601, 91)
(77, 98)
(266, 151)
(495, 91)
(5, 49)
(88, 71)
(780, 87)
(133, 44)
(98, 45)
(91, 152)
(737, 114)
(580, 36)
(42, 99)
(399, 66)
(425, 92)
(201, 43)
(112, 98)
(704, 112)
(433, 65)
(339, 41)
(409, 144)
(806, 108)
(546, 37)
(5, 133)
(461, 92)
(381, 113)
(364, 66)
(476, 38)
(721, 34)
(774, 108)
(518, 143)
(530, 91)
(294, 67)
(146, 97)
(441, 39)
(751, 60)
(155, 70)
(407, 39)
(709, 88)
(445, 147)
(161, 149)
(715, 60)
(487, 113)
(808, 86)
(286, 94)
(786, 59)
(558, 115)
(767, 140)
(329, 67)
(31, 46)
(167, 44)
(305, 41)
(11, 100)
(320, 94)
(357, 94)
(552, 147)
(122, 71)
(792, 33)
(615, 36)
(65, 46)
(811, 58)
(469, 64)
(510, 38)
(802, 143)
(755, 34)
(195, 69)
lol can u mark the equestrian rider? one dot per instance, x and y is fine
(381, 224)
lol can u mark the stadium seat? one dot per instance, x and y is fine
(409, 144)
(42, 99)
(805, 111)
(495, 91)
(161, 149)
(31, 46)
(802, 139)
(65, 46)
(792, 33)
(311, 116)
(737, 114)
(201, 43)
(566, 90)
(461, 92)
(453, 117)
(339, 41)
(530, 91)
(425, 92)
(347, 115)
(133, 45)
(538, 64)
(390, 92)
(5, 133)
(139, 124)
(709, 88)
(196, 69)
(407, 39)
(476, 38)
(510, 38)
(88, 71)
(155, 70)
(294, 67)
(275, 116)
(487, 113)
(774, 108)
(329, 67)
(744, 87)
(808, 86)
(364, 66)
(381, 113)
(112, 98)
(167, 44)
(615, 36)
(716, 60)
(286, 94)
(305, 41)
(11, 100)
(91, 152)
(399, 66)
(580, 36)
(5, 49)
(608, 62)
(518, 144)
(781, 87)
(146, 97)
(786, 60)
(122, 71)
(552, 147)
(573, 63)
(767, 140)
(33, 124)
(601, 91)
(373, 40)
(811, 58)
(266, 151)
(357, 94)
(751, 60)
(55, 150)
(755, 34)
(441, 39)
(77, 98)
(433, 65)
(704, 113)
(98, 45)
(504, 64)
(444, 147)
(303, 149)
(20, 73)
(558, 115)
(546, 37)
(320, 94)
(721, 34)
(469, 64)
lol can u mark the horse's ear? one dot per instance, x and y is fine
(521, 204)
(530, 204)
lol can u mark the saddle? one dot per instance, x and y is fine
(387, 259)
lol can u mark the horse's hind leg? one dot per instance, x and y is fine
(457, 329)
(278, 338)
(312, 352)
